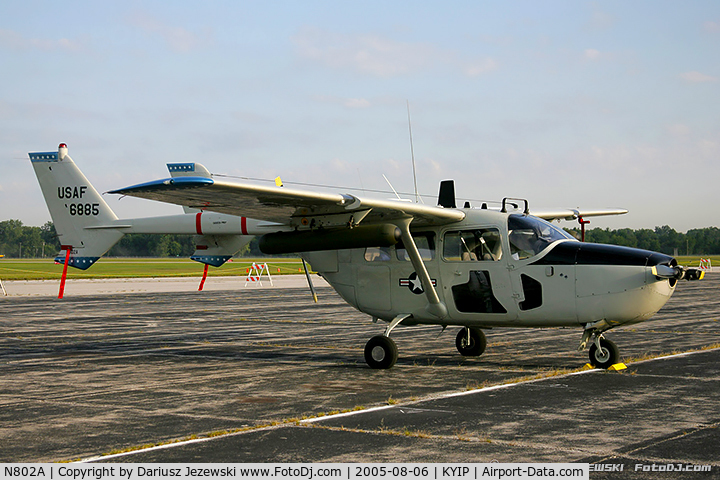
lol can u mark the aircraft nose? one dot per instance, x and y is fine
(578, 253)
(597, 254)
(617, 283)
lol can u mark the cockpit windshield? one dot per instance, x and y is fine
(531, 235)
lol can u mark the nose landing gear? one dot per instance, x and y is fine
(603, 352)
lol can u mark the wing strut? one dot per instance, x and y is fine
(435, 306)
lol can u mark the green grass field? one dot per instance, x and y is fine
(46, 269)
(694, 261)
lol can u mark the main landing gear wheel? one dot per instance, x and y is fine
(606, 356)
(381, 352)
(475, 346)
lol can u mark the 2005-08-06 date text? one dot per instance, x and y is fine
(393, 471)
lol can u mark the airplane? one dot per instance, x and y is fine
(400, 262)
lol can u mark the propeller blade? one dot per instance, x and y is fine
(666, 271)
(694, 274)
(678, 273)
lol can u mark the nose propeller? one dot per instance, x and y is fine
(677, 272)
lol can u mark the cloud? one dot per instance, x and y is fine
(481, 67)
(594, 55)
(709, 149)
(13, 40)
(379, 56)
(697, 77)
(369, 54)
(678, 130)
(356, 103)
(345, 102)
(591, 54)
(600, 20)
(177, 39)
(711, 26)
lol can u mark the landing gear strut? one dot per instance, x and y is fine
(470, 342)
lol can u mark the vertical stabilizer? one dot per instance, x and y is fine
(82, 218)
(188, 170)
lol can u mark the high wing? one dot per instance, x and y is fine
(296, 208)
(573, 214)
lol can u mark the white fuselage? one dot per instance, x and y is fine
(494, 283)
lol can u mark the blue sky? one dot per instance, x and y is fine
(568, 104)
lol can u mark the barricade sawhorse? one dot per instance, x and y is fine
(255, 273)
(705, 265)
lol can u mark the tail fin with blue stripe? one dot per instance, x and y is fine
(81, 216)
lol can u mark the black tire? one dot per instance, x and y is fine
(477, 345)
(607, 356)
(381, 352)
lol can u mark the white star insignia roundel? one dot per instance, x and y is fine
(414, 284)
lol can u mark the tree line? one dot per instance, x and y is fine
(21, 241)
(698, 241)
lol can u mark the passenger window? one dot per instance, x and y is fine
(480, 244)
(377, 254)
(425, 244)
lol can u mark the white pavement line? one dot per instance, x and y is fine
(177, 444)
(326, 417)
(149, 449)
(675, 355)
(439, 396)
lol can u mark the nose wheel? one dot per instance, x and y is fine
(604, 353)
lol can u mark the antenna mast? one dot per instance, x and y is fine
(412, 155)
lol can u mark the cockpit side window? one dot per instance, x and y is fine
(425, 242)
(529, 236)
(377, 254)
(479, 244)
